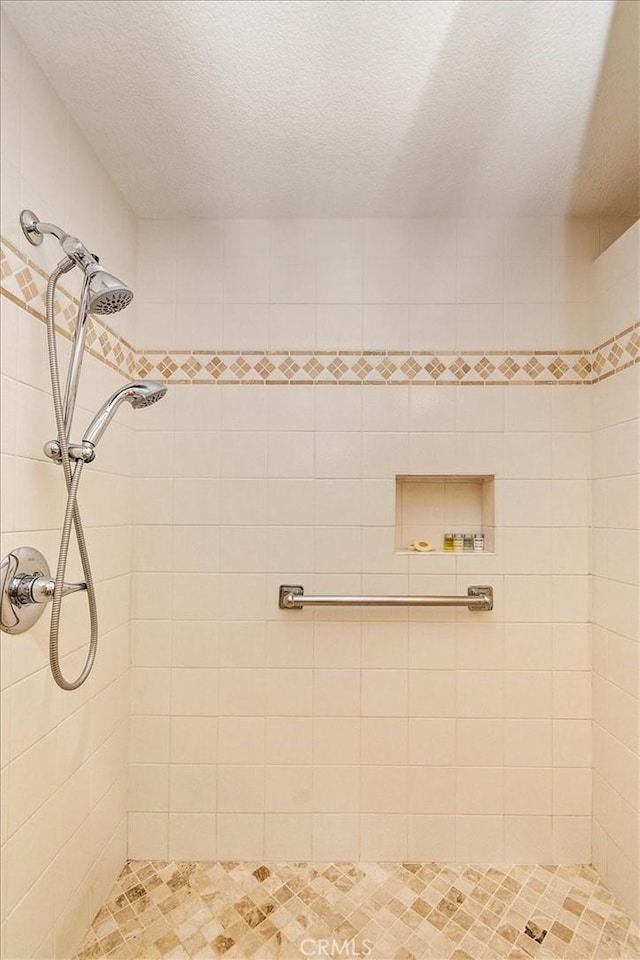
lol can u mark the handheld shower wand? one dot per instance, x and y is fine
(140, 393)
(24, 573)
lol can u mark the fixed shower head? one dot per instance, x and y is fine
(107, 294)
(140, 393)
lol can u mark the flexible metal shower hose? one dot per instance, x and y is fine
(72, 513)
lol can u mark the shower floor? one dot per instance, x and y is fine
(386, 911)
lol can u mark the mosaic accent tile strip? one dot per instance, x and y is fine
(367, 367)
(384, 911)
(24, 283)
(616, 354)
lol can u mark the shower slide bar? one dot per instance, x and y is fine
(477, 599)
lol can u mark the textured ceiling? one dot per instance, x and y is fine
(351, 107)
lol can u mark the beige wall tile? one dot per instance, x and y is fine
(289, 789)
(148, 832)
(241, 789)
(192, 788)
(384, 836)
(527, 837)
(335, 836)
(192, 835)
(528, 790)
(480, 790)
(336, 788)
(431, 834)
(336, 740)
(478, 838)
(240, 835)
(289, 833)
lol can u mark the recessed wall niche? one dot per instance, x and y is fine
(428, 506)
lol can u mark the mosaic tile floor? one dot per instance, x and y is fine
(384, 911)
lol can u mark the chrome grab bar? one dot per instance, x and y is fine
(478, 598)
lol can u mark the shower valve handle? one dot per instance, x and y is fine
(33, 589)
(25, 587)
(41, 589)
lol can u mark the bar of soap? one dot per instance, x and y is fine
(421, 546)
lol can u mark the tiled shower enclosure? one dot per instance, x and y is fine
(313, 365)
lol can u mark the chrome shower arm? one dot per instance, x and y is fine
(57, 232)
(35, 229)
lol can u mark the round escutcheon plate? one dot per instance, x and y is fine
(17, 615)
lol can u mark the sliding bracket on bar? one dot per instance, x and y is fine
(477, 598)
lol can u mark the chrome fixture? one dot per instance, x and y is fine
(102, 293)
(25, 583)
(293, 598)
(107, 294)
(140, 394)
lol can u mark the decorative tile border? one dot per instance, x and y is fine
(364, 367)
(616, 354)
(24, 282)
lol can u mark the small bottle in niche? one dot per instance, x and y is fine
(458, 542)
(467, 543)
(448, 542)
(478, 542)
